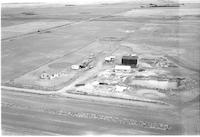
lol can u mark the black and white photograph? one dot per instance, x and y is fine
(100, 67)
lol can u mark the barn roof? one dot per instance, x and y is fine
(130, 57)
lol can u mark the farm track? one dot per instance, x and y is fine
(60, 112)
(54, 60)
(34, 32)
(60, 26)
(48, 29)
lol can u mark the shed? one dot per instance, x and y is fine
(109, 59)
(75, 67)
(130, 60)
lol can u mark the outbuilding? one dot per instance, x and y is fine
(109, 59)
(130, 60)
(75, 67)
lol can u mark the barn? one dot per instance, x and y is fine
(130, 60)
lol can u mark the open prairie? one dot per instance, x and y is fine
(51, 38)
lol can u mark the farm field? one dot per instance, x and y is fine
(50, 39)
(21, 29)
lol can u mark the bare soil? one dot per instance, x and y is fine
(73, 33)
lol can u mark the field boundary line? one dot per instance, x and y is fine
(60, 26)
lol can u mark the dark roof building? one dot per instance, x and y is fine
(130, 60)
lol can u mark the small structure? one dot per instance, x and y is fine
(130, 60)
(109, 59)
(75, 67)
(122, 68)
